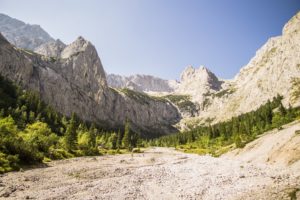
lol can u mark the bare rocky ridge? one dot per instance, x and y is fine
(141, 83)
(76, 82)
(23, 35)
(193, 81)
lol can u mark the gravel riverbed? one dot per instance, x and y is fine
(159, 173)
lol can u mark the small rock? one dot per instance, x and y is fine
(5, 194)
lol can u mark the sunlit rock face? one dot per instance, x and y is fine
(76, 82)
(198, 82)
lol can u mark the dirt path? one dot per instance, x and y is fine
(159, 173)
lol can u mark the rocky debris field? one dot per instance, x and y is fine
(158, 173)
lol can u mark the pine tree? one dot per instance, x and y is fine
(210, 131)
(127, 136)
(114, 140)
(268, 112)
(282, 109)
(119, 140)
(71, 134)
(31, 117)
(2, 113)
(93, 135)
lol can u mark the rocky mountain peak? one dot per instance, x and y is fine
(293, 25)
(197, 82)
(202, 73)
(7, 22)
(141, 83)
(59, 42)
(202, 76)
(23, 35)
(79, 45)
(82, 64)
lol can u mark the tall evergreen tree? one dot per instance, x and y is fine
(93, 135)
(282, 109)
(114, 140)
(127, 136)
(268, 112)
(119, 139)
(71, 134)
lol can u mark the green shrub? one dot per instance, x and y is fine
(59, 153)
(8, 162)
(238, 141)
(137, 150)
(198, 151)
(39, 137)
(46, 160)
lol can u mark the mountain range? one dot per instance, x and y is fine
(71, 78)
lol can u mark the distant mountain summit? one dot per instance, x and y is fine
(141, 83)
(23, 35)
(192, 81)
(198, 82)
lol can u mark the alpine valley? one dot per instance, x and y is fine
(71, 78)
(58, 102)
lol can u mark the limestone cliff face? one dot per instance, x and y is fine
(81, 65)
(23, 35)
(76, 82)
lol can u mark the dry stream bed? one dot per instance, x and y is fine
(159, 173)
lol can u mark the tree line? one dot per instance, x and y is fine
(238, 130)
(32, 132)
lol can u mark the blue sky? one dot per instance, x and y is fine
(162, 37)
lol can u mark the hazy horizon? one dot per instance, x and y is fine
(161, 38)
